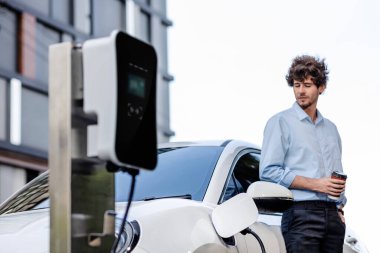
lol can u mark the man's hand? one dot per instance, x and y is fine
(341, 216)
(331, 186)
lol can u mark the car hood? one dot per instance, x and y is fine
(139, 209)
(36, 222)
(22, 228)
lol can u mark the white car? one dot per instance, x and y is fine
(202, 197)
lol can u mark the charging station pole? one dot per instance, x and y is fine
(80, 188)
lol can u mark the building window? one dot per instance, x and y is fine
(3, 109)
(8, 39)
(34, 119)
(11, 179)
(60, 10)
(163, 45)
(82, 15)
(145, 26)
(45, 36)
(108, 16)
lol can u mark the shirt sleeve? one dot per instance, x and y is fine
(275, 146)
(342, 201)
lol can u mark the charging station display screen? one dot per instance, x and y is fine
(136, 85)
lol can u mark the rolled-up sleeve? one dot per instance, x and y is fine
(342, 200)
(275, 146)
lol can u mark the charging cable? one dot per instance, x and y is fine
(250, 231)
(133, 173)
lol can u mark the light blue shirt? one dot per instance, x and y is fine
(294, 145)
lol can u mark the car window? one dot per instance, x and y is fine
(179, 171)
(245, 172)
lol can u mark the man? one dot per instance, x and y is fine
(300, 150)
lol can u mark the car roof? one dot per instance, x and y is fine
(216, 143)
(191, 143)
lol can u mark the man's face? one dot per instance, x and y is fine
(306, 92)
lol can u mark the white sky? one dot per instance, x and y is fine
(229, 59)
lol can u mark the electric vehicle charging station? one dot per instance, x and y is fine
(102, 109)
(126, 132)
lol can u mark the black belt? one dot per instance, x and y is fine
(314, 204)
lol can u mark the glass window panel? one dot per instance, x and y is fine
(7, 186)
(3, 109)
(163, 46)
(145, 26)
(34, 119)
(45, 36)
(82, 15)
(179, 171)
(246, 169)
(246, 172)
(61, 10)
(8, 39)
(38, 5)
(108, 16)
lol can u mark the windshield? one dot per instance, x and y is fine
(179, 171)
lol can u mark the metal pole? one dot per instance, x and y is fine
(60, 147)
(80, 188)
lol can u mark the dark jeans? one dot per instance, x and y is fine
(313, 227)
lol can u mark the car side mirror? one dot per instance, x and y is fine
(234, 215)
(270, 197)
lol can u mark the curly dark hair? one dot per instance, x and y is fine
(304, 66)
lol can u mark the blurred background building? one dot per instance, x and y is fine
(27, 28)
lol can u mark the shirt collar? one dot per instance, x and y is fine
(303, 115)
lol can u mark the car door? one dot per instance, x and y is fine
(244, 172)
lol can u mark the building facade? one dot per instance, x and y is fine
(27, 28)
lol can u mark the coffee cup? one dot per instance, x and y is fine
(340, 176)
